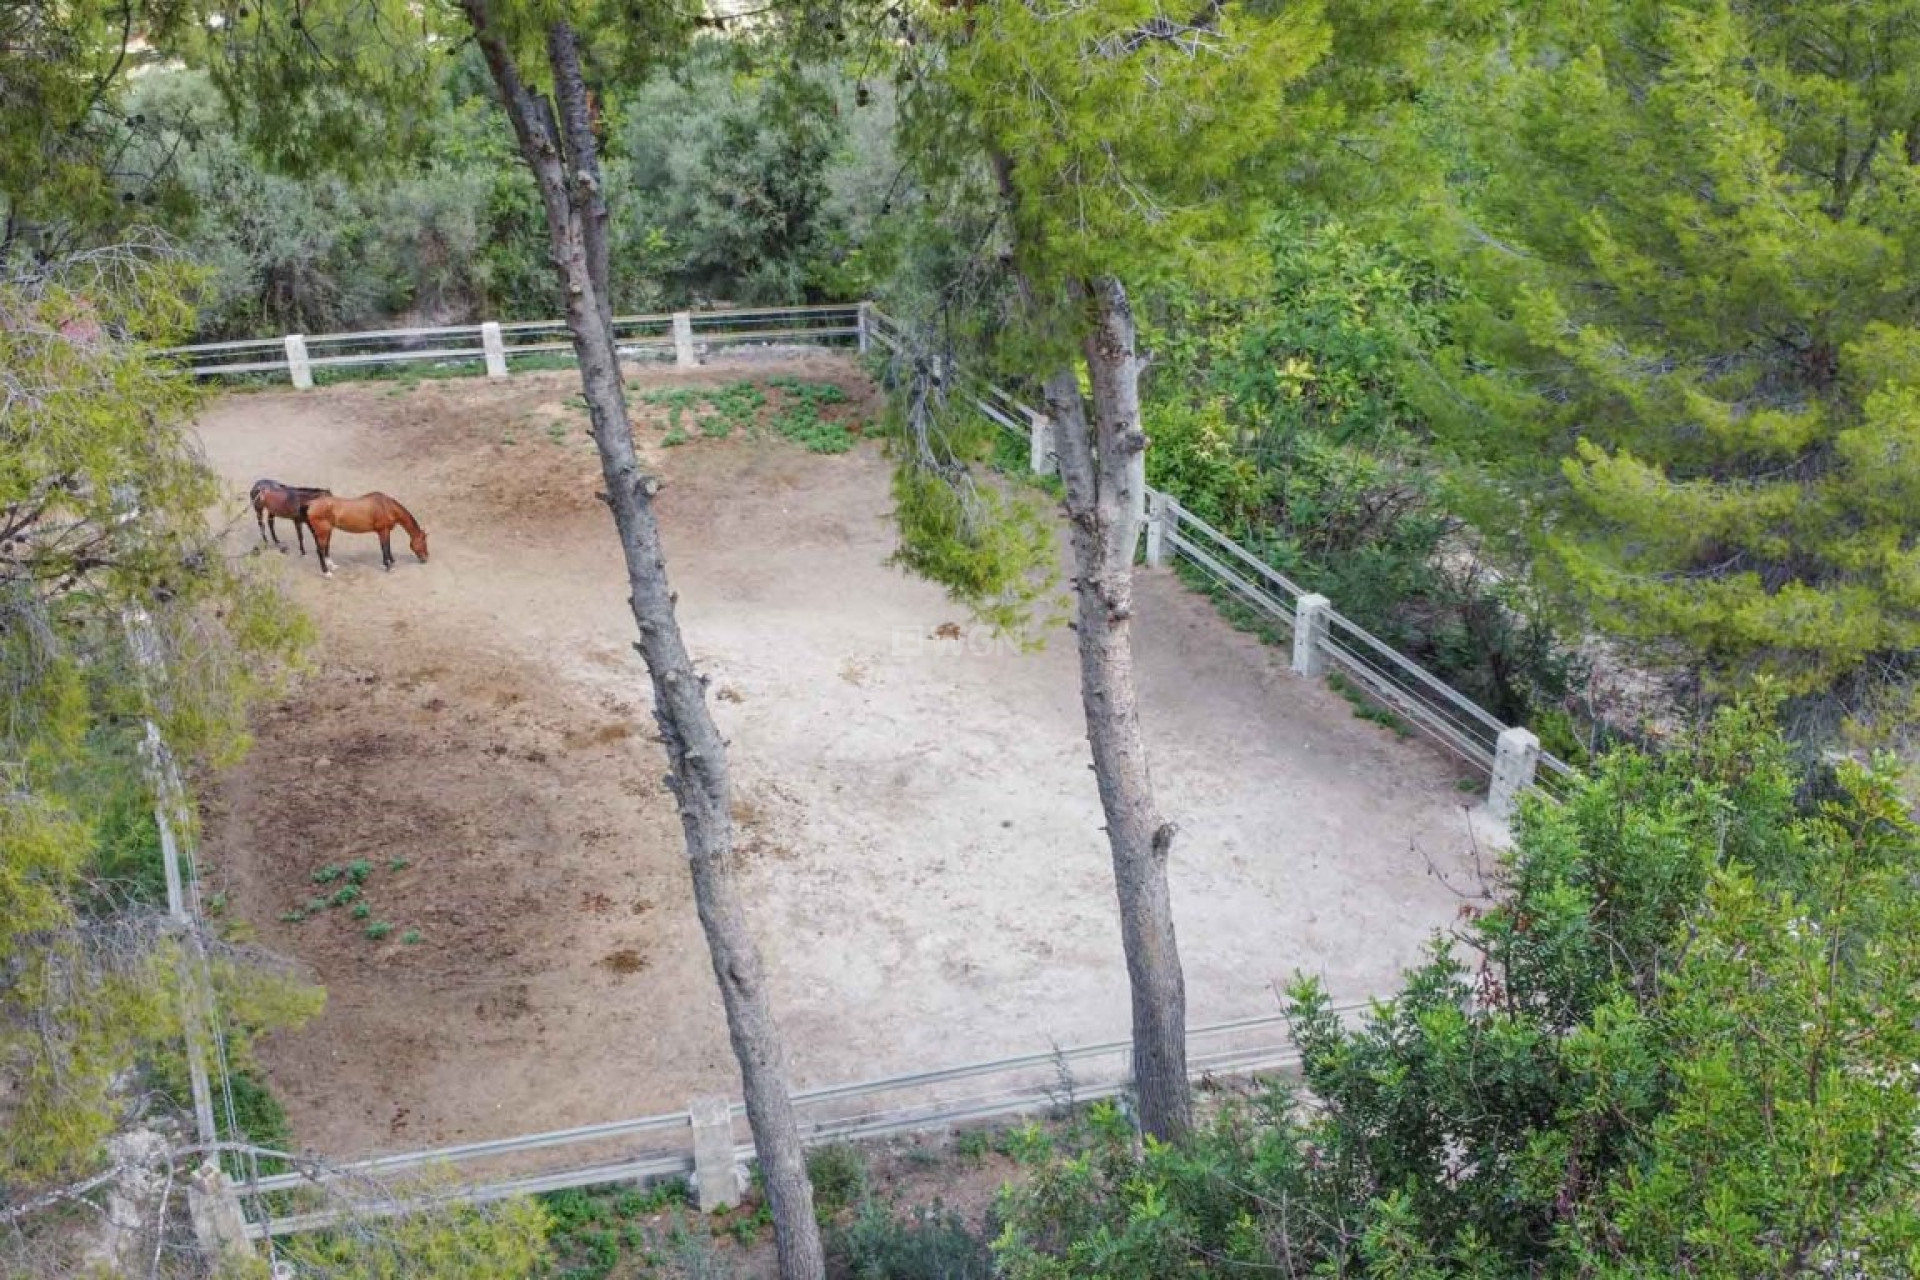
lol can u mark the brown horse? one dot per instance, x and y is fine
(368, 513)
(270, 498)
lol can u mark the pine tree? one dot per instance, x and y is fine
(1691, 381)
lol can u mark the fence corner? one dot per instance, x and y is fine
(219, 1225)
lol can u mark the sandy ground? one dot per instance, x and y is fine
(922, 848)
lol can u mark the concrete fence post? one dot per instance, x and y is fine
(683, 354)
(1040, 444)
(715, 1184)
(861, 324)
(1136, 501)
(299, 367)
(1516, 755)
(218, 1223)
(1310, 635)
(495, 347)
(1159, 525)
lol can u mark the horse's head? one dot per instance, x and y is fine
(418, 541)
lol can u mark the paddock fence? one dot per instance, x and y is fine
(496, 347)
(318, 1195)
(655, 1148)
(1324, 640)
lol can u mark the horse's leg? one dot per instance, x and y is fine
(260, 518)
(386, 549)
(275, 532)
(323, 539)
(300, 533)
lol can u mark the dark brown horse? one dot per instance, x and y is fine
(271, 498)
(368, 513)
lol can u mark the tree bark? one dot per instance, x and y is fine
(1097, 468)
(583, 172)
(569, 183)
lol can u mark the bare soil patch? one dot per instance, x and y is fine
(921, 841)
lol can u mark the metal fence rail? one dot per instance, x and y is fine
(865, 1110)
(497, 345)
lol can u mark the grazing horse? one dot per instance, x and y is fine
(368, 513)
(271, 498)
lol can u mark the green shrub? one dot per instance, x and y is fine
(839, 1175)
(932, 1243)
(1681, 1042)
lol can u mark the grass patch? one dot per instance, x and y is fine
(349, 890)
(596, 1231)
(796, 411)
(931, 1242)
(410, 373)
(1365, 705)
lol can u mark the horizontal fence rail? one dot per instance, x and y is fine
(497, 345)
(917, 1102)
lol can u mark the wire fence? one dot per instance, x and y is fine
(518, 340)
(652, 1148)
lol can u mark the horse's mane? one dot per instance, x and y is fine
(406, 516)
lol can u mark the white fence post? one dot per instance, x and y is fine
(861, 322)
(1515, 757)
(715, 1184)
(298, 366)
(496, 349)
(1309, 634)
(218, 1222)
(683, 340)
(1040, 444)
(1136, 501)
(1159, 518)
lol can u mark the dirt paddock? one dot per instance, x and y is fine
(921, 841)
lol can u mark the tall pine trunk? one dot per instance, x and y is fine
(1098, 467)
(565, 166)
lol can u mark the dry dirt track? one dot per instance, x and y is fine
(922, 847)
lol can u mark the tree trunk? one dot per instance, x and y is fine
(570, 189)
(1098, 469)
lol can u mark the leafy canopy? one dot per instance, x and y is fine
(1689, 359)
